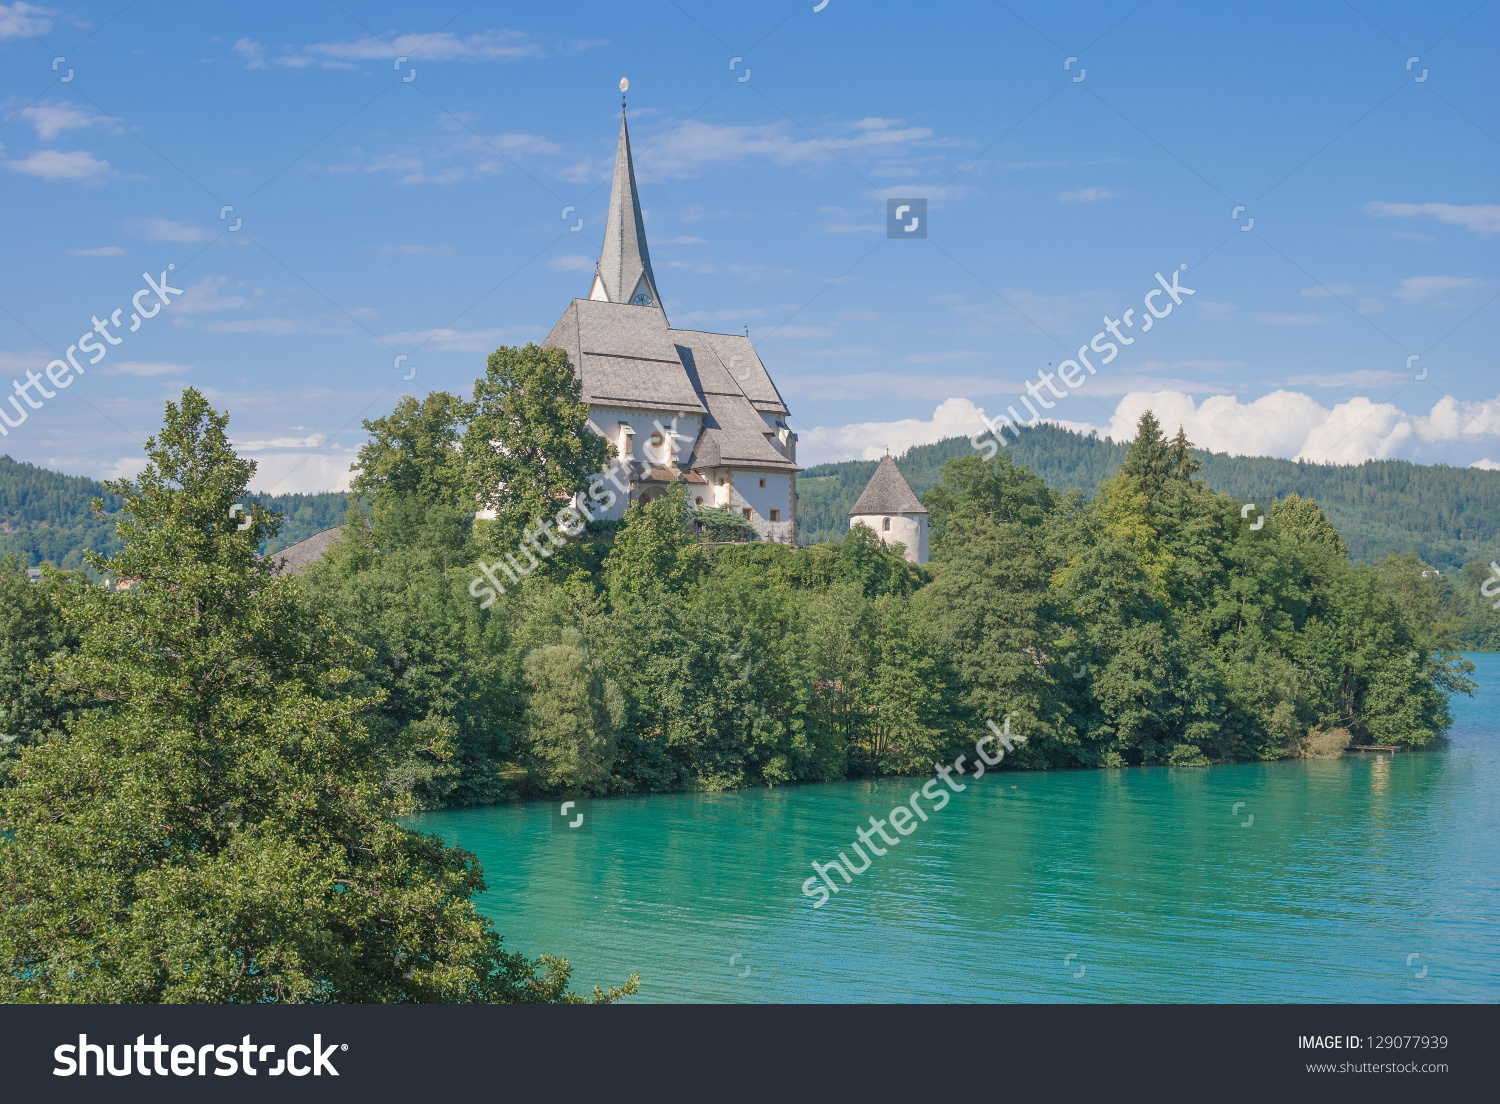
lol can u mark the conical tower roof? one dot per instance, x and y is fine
(888, 492)
(624, 274)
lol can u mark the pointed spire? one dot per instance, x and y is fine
(624, 274)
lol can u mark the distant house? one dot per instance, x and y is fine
(891, 508)
(34, 574)
(682, 407)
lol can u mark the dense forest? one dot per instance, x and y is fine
(202, 776)
(1447, 516)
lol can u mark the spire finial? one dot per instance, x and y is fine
(624, 85)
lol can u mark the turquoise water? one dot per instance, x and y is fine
(1149, 882)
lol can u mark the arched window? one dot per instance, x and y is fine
(886, 525)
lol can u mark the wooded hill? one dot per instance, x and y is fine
(1447, 516)
(45, 515)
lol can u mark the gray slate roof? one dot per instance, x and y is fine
(294, 559)
(624, 356)
(888, 492)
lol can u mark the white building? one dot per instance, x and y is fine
(891, 508)
(682, 407)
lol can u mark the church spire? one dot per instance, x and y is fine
(624, 274)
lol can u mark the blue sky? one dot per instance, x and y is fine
(381, 216)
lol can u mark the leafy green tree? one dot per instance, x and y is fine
(572, 716)
(415, 452)
(653, 551)
(32, 630)
(527, 447)
(222, 831)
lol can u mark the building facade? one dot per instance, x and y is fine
(682, 407)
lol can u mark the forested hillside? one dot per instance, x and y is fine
(1447, 516)
(45, 516)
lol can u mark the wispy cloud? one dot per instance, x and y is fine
(102, 251)
(1271, 319)
(165, 230)
(1415, 289)
(1085, 195)
(56, 165)
(1480, 218)
(20, 20)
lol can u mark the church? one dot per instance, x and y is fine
(682, 407)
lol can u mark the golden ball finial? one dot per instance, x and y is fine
(624, 83)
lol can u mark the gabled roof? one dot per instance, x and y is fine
(888, 492)
(625, 260)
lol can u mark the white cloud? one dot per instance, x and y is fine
(144, 368)
(1414, 289)
(1361, 377)
(61, 165)
(165, 230)
(572, 262)
(869, 440)
(21, 19)
(1287, 319)
(50, 120)
(414, 250)
(1085, 195)
(102, 251)
(458, 341)
(1292, 425)
(278, 327)
(1324, 290)
(682, 239)
(695, 144)
(503, 45)
(300, 472)
(944, 358)
(1480, 218)
(207, 296)
(311, 441)
(1485, 465)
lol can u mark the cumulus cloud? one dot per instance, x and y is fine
(869, 440)
(1285, 424)
(1293, 425)
(279, 472)
(1480, 218)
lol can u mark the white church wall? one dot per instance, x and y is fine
(608, 420)
(775, 495)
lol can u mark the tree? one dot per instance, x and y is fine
(222, 831)
(528, 448)
(653, 551)
(573, 713)
(414, 453)
(32, 630)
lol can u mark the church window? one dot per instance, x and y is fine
(746, 512)
(762, 482)
(887, 525)
(698, 501)
(775, 515)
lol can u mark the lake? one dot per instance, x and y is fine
(1368, 878)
